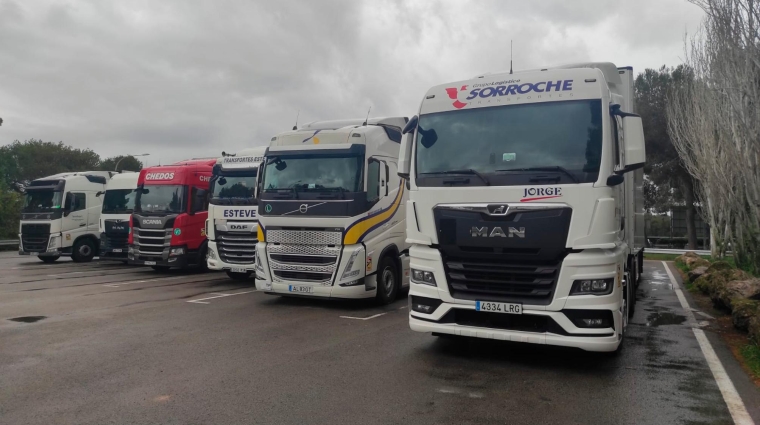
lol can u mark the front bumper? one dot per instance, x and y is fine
(180, 261)
(563, 332)
(54, 248)
(215, 263)
(366, 290)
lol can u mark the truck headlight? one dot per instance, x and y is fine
(422, 277)
(347, 272)
(593, 287)
(177, 251)
(54, 241)
(211, 254)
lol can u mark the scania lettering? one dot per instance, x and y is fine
(168, 223)
(332, 216)
(60, 216)
(232, 221)
(118, 205)
(526, 199)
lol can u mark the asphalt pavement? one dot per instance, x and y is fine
(103, 343)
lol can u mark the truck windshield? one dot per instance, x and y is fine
(560, 141)
(119, 201)
(314, 173)
(160, 199)
(42, 200)
(233, 189)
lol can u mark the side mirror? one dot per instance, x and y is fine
(634, 152)
(615, 179)
(405, 150)
(99, 193)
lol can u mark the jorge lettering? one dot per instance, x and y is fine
(542, 191)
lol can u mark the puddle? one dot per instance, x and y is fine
(28, 319)
(664, 318)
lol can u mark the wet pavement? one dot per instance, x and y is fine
(106, 343)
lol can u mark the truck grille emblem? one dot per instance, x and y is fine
(303, 208)
(498, 209)
(497, 232)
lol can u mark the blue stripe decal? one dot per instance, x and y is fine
(309, 138)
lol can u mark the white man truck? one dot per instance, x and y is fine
(60, 216)
(232, 224)
(118, 205)
(525, 212)
(331, 212)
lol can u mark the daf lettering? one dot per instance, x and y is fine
(238, 227)
(497, 232)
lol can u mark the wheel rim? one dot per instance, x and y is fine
(389, 281)
(85, 250)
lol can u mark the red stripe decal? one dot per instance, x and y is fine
(537, 199)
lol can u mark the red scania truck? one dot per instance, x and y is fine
(168, 224)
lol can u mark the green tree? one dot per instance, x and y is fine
(128, 163)
(669, 181)
(33, 159)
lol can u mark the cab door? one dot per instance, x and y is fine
(75, 220)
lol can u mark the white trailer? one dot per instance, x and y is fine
(331, 217)
(232, 223)
(60, 216)
(525, 211)
(118, 205)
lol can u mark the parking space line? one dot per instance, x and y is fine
(725, 385)
(117, 284)
(363, 318)
(218, 295)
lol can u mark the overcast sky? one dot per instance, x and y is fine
(181, 78)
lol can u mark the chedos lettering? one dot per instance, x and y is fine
(204, 178)
(239, 213)
(159, 176)
(524, 88)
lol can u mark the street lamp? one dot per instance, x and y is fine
(116, 168)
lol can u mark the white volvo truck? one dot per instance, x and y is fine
(232, 224)
(118, 205)
(331, 212)
(60, 216)
(525, 212)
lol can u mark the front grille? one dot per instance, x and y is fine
(114, 240)
(236, 248)
(499, 279)
(290, 258)
(35, 236)
(152, 242)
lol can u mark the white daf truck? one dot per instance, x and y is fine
(232, 223)
(525, 212)
(60, 216)
(331, 212)
(118, 205)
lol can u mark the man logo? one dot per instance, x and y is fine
(496, 232)
(303, 208)
(498, 209)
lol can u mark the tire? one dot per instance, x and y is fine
(49, 259)
(160, 268)
(83, 251)
(388, 282)
(238, 276)
(203, 260)
(631, 294)
(125, 262)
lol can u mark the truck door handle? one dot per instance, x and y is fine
(83, 224)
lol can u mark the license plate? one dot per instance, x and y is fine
(238, 270)
(150, 263)
(491, 307)
(116, 250)
(300, 289)
(34, 253)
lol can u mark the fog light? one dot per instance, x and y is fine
(423, 277)
(590, 318)
(211, 254)
(424, 304)
(592, 287)
(177, 251)
(593, 322)
(353, 283)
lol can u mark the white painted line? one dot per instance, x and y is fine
(63, 274)
(362, 318)
(117, 284)
(219, 295)
(727, 389)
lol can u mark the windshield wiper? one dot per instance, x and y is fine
(551, 168)
(463, 171)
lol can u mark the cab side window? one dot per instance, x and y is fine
(199, 199)
(78, 202)
(373, 180)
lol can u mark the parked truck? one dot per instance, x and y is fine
(60, 216)
(118, 205)
(331, 212)
(525, 210)
(232, 223)
(168, 226)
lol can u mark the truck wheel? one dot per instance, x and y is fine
(203, 259)
(83, 251)
(49, 259)
(238, 276)
(631, 301)
(387, 281)
(160, 268)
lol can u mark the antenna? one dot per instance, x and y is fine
(295, 127)
(367, 119)
(510, 57)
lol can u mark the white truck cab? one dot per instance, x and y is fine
(232, 223)
(525, 211)
(60, 216)
(332, 211)
(118, 205)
